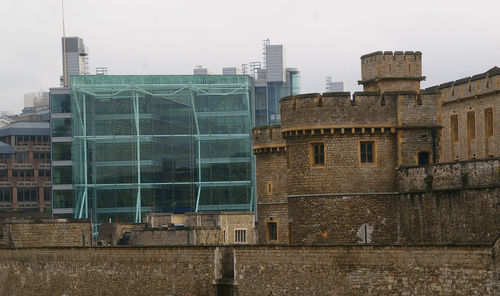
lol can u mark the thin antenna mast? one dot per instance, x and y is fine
(65, 72)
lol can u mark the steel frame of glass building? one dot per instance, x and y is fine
(161, 143)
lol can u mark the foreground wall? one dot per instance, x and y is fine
(107, 271)
(373, 270)
(254, 270)
(46, 232)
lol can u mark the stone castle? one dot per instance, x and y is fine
(391, 164)
(390, 191)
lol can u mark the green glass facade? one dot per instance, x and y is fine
(160, 143)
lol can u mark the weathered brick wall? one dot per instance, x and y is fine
(49, 232)
(107, 271)
(342, 171)
(341, 219)
(470, 95)
(358, 270)
(455, 175)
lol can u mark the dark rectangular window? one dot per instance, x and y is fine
(27, 194)
(367, 153)
(62, 151)
(272, 231)
(454, 128)
(318, 150)
(488, 122)
(61, 127)
(471, 126)
(5, 194)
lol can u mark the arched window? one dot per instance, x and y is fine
(424, 157)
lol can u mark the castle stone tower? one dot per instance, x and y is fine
(388, 71)
(272, 166)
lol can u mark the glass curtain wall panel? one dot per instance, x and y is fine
(160, 143)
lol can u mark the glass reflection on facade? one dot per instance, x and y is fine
(160, 143)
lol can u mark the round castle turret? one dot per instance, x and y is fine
(270, 151)
(337, 144)
(388, 71)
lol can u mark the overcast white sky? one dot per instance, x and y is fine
(458, 38)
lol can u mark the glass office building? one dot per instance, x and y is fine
(160, 143)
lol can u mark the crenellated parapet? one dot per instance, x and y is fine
(267, 139)
(470, 87)
(390, 71)
(364, 112)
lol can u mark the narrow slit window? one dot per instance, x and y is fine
(454, 128)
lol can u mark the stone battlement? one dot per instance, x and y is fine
(338, 110)
(391, 65)
(267, 139)
(469, 87)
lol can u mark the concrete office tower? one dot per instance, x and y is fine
(75, 58)
(333, 86)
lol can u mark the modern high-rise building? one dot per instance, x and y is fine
(75, 58)
(136, 144)
(272, 82)
(333, 86)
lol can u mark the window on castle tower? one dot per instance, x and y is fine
(318, 154)
(272, 231)
(488, 122)
(454, 128)
(424, 157)
(471, 126)
(367, 152)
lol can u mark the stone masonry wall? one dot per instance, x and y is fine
(480, 147)
(362, 270)
(337, 110)
(445, 216)
(448, 176)
(272, 167)
(342, 171)
(49, 232)
(107, 271)
(341, 219)
(256, 270)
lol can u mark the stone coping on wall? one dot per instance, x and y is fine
(43, 221)
(336, 195)
(267, 246)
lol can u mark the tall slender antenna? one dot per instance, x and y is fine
(65, 72)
